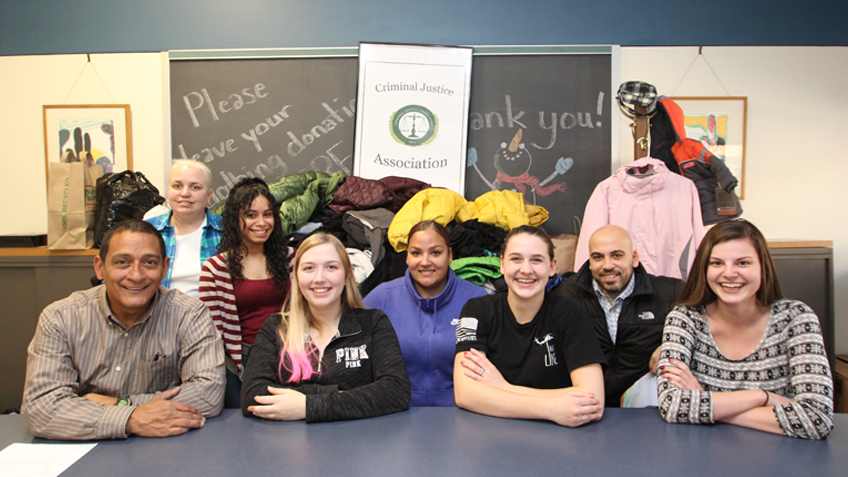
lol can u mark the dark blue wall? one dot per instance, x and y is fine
(96, 26)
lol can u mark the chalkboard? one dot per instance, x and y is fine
(561, 105)
(267, 117)
(275, 116)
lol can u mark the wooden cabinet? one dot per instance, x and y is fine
(31, 279)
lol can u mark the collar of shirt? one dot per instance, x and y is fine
(162, 224)
(107, 310)
(628, 290)
(612, 305)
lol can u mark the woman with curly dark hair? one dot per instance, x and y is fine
(248, 280)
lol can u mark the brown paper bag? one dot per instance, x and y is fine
(70, 205)
(565, 247)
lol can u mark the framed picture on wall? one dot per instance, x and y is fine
(719, 123)
(98, 133)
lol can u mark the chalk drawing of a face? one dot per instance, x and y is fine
(513, 159)
(512, 163)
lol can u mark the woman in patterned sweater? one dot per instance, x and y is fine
(735, 351)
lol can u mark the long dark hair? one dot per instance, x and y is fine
(232, 238)
(697, 291)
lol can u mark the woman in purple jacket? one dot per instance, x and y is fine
(424, 307)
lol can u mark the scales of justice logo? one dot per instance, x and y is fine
(414, 125)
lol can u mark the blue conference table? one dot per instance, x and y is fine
(450, 441)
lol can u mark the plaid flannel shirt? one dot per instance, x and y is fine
(208, 244)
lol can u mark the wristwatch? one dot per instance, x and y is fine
(124, 401)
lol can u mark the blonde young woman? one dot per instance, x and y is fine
(526, 353)
(325, 357)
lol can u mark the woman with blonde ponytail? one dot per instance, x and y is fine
(325, 357)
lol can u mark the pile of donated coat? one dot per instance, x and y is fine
(372, 219)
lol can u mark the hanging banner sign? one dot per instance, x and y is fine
(412, 113)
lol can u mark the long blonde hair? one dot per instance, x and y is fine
(296, 356)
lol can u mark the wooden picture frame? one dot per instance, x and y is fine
(724, 134)
(100, 133)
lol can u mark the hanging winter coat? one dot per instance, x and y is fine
(691, 159)
(658, 208)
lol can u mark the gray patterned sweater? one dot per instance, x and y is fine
(789, 361)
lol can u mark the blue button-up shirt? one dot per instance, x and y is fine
(612, 305)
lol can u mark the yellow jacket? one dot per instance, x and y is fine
(503, 208)
(438, 205)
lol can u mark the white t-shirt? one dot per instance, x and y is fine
(185, 274)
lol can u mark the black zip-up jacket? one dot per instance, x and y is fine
(362, 371)
(640, 325)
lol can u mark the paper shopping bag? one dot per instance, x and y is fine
(70, 206)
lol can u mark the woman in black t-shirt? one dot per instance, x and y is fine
(528, 354)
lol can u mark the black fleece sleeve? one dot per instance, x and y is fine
(261, 369)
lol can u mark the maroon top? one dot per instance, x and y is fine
(256, 300)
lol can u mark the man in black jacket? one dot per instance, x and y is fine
(627, 305)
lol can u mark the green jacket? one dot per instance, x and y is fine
(300, 195)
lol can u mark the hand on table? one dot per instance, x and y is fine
(162, 417)
(679, 375)
(281, 405)
(479, 368)
(575, 408)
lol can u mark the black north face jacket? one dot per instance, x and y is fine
(640, 325)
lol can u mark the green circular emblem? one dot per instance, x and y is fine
(414, 125)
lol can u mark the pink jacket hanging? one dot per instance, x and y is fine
(661, 211)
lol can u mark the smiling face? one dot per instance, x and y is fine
(257, 222)
(734, 272)
(188, 191)
(526, 265)
(612, 259)
(321, 279)
(131, 270)
(428, 258)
